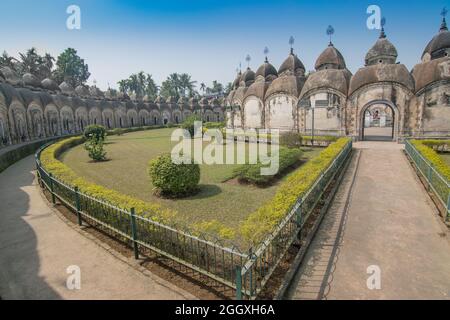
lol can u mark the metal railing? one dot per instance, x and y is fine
(264, 260)
(247, 273)
(436, 182)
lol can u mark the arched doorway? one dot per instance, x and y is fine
(378, 121)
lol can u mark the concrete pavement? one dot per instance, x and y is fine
(36, 247)
(386, 221)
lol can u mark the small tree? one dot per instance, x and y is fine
(188, 124)
(95, 138)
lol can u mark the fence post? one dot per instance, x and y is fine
(430, 172)
(134, 234)
(448, 207)
(299, 220)
(78, 206)
(52, 188)
(238, 283)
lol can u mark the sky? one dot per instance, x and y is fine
(209, 39)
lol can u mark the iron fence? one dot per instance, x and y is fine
(436, 182)
(245, 272)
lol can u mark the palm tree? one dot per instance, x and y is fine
(187, 85)
(8, 61)
(202, 87)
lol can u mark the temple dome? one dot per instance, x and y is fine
(96, 92)
(429, 72)
(330, 58)
(49, 84)
(377, 73)
(383, 51)
(171, 100)
(82, 91)
(336, 79)
(267, 71)
(439, 46)
(247, 78)
(292, 66)
(237, 80)
(10, 76)
(110, 94)
(287, 84)
(66, 88)
(31, 80)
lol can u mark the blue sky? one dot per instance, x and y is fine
(208, 39)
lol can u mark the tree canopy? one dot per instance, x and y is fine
(71, 68)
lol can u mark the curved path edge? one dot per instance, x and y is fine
(38, 244)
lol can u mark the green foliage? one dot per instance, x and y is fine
(188, 123)
(173, 179)
(71, 68)
(214, 227)
(95, 149)
(178, 85)
(95, 132)
(214, 125)
(263, 221)
(29, 62)
(290, 140)
(423, 146)
(251, 173)
(95, 136)
(140, 84)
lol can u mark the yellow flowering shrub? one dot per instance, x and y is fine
(264, 220)
(425, 149)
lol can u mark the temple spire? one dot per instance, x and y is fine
(266, 51)
(382, 33)
(330, 32)
(444, 23)
(291, 43)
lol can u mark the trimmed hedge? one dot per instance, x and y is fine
(264, 220)
(425, 149)
(19, 152)
(252, 172)
(173, 179)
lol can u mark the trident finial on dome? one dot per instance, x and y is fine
(248, 59)
(444, 23)
(330, 32)
(291, 43)
(383, 23)
(266, 51)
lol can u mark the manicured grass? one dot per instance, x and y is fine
(126, 172)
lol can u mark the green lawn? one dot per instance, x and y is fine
(126, 171)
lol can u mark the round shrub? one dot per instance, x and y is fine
(174, 179)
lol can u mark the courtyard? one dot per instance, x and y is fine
(220, 197)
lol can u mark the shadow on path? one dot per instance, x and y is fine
(19, 259)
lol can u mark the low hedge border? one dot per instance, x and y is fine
(19, 152)
(49, 161)
(251, 173)
(425, 147)
(264, 220)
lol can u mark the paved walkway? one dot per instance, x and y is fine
(36, 247)
(385, 220)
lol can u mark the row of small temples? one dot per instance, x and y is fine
(286, 98)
